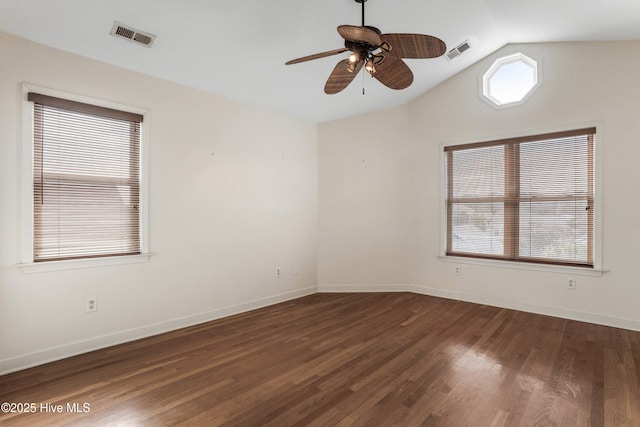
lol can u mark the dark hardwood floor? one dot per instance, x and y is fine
(349, 359)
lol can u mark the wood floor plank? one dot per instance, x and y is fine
(349, 359)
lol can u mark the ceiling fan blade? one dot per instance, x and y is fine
(366, 35)
(341, 77)
(394, 73)
(316, 56)
(419, 46)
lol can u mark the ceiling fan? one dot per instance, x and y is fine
(380, 54)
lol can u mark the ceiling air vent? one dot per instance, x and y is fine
(458, 50)
(125, 32)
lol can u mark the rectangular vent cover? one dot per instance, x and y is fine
(458, 50)
(136, 36)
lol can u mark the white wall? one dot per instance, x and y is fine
(583, 83)
(233, 196)
(363, 189)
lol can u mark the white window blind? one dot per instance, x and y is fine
(523, 199)
(86, 180)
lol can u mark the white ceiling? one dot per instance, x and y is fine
(237, 48)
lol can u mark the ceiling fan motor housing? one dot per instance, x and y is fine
(360, 48)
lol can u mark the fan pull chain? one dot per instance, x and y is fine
(363, 72)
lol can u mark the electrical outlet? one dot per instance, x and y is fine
(278, 272)
(92, 304)
(458, 270)
(571, 283)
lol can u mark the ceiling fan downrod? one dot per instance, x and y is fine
(362, 2)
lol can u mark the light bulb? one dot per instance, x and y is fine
(370, 67)
(353, 58)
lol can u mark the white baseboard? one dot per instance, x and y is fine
(397, 287)
(84, 346)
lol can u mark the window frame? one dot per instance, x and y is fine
(596, 270)
(27, 161)
(519, 56)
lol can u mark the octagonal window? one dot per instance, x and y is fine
(510, 80)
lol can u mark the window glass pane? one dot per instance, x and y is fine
(478, 228)
(478, 172)
(85, 145)
(555, 230)
(554, 168)
(512, 81)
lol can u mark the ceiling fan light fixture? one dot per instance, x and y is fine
(354, 57)
(351, 66)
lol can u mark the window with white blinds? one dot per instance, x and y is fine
(86, 180)
(523, 199)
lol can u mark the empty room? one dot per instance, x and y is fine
(327, 213)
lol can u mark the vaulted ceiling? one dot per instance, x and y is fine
(238, 48)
